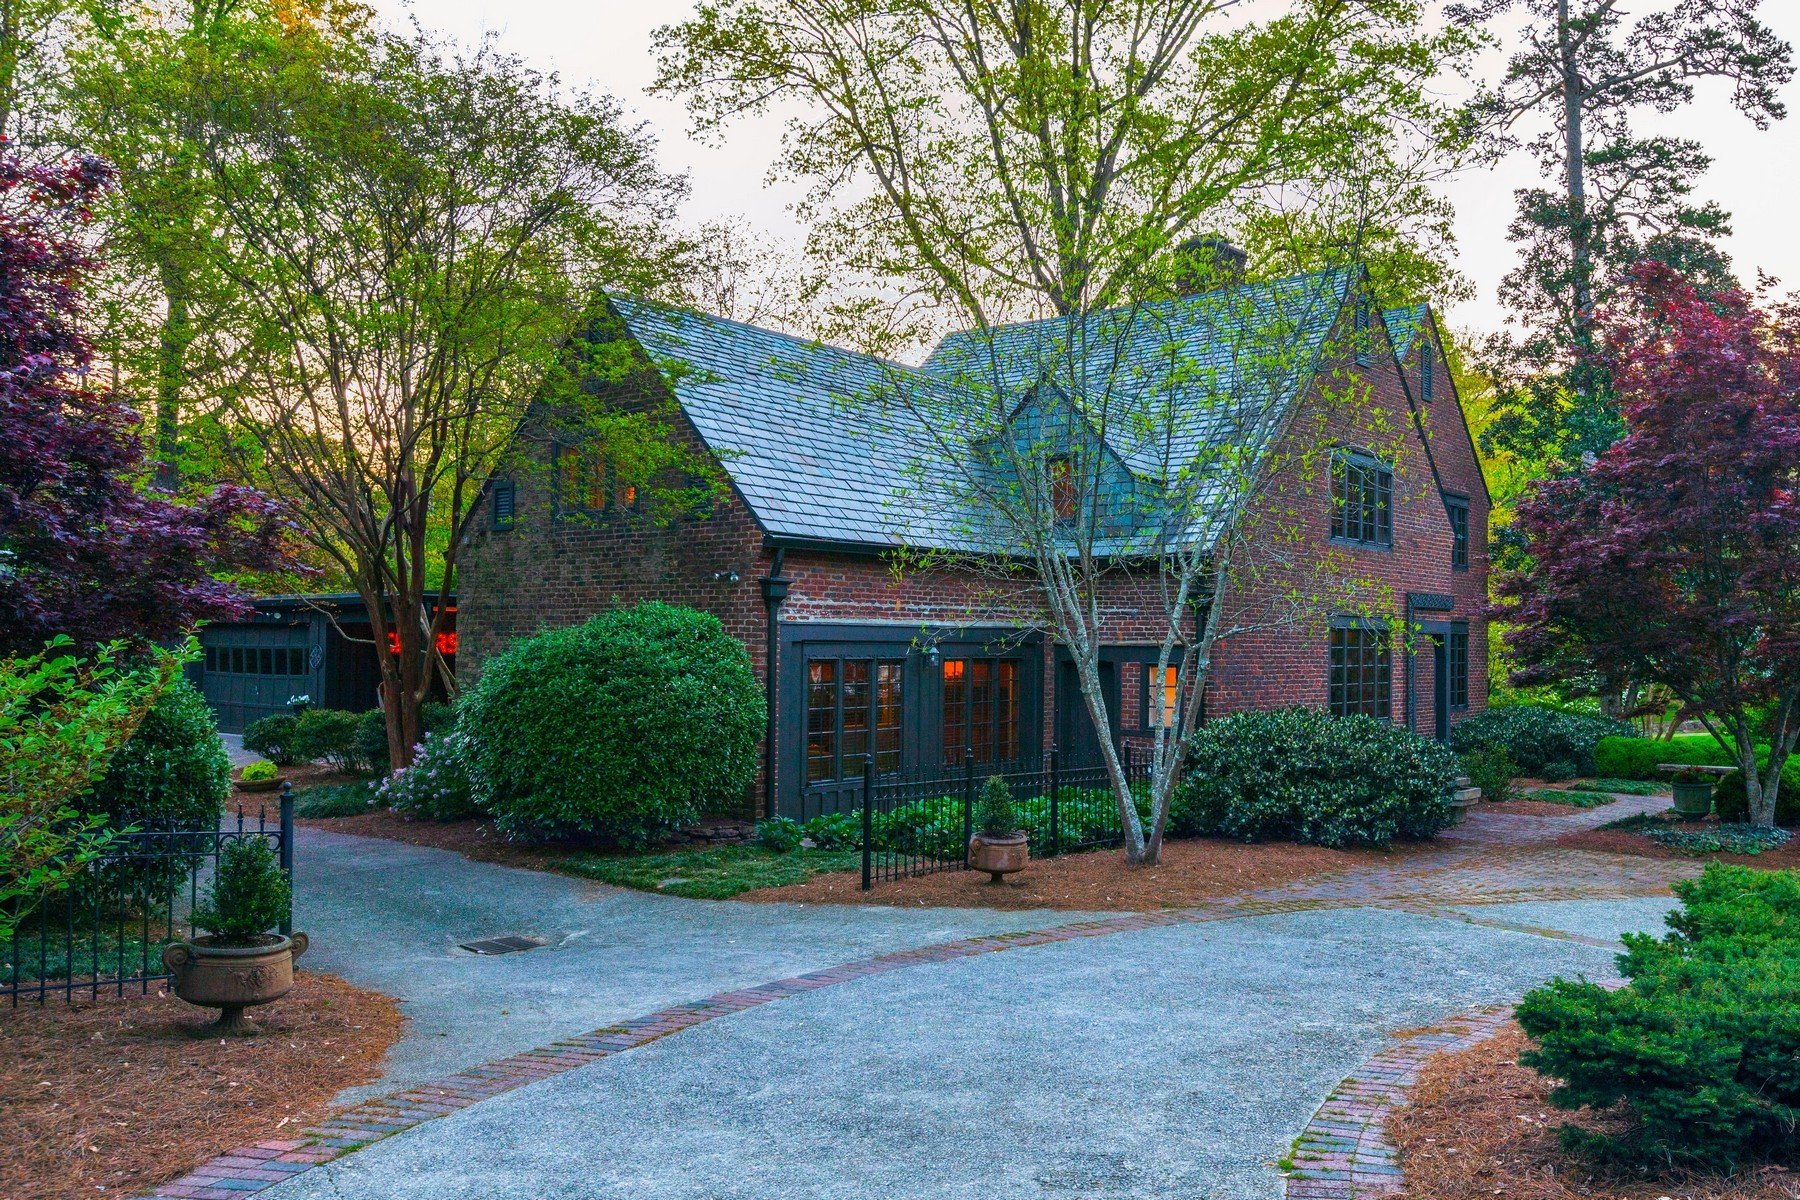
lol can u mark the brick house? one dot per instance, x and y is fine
(797, 561)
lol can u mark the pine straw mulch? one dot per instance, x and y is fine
(114, 1096)
(1192, 870)
(1636, 841)
(474, 839)
(1479, 1125)
(1532, 808)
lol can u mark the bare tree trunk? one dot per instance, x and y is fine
(1574, 154)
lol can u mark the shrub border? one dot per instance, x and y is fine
(1345, 1152)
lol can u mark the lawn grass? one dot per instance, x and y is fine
(1570, 797)
(709, 872)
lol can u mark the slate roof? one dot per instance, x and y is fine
(820, 446)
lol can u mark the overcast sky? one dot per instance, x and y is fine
(605, 44)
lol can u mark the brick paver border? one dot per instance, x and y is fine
(1344, 1152)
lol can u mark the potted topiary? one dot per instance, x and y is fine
(241, 963)
(999, 847)
(260, 776)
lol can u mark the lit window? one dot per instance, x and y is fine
(1361, 671)
(981, 710)
(853, 709)
(1171, 694)
(1064, 490)
(1362, 500)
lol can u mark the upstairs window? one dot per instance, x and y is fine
(1064, 491)
(1362, 500)
(504, 500)
(1362, 667)
(586, 484)
(1458, 508)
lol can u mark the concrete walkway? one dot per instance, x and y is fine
(389, 916)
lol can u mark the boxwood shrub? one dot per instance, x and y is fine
(1731, 800)
(617, 730)
(1638, 757)
(1307, 776)
(1700, 1047)
(273, 738)
(1538, 738)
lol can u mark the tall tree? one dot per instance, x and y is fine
(980, 164)
(1585, 72)
(84, 551)
(413, 232)
(1673, 559)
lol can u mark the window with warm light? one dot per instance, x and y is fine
(1171, 696)
(981, 710)
(1065, 494)
(853, 708)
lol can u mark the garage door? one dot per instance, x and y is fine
(246, 679)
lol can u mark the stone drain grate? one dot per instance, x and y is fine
(512, 943)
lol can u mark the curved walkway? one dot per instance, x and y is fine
(1162, 1054)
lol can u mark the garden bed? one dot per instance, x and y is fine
(1634, 838)
(115, 1096)
(1480, 1125)
(1192, 870)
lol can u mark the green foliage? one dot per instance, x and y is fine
(1538, 739)
(334, 800)
(620, 729)
(1307, 776)
(273, 738)
(259, 772)
(934, 828)
(436, 786)
(1724, 838)
(834, 831)
(1572, 797)
(330, 735)
(1638, 757)
(711, 873)
(173, 777)
(1490, 770)
(1700, 1047)
(1731, 800)
(779, 834)
(371, 732)
(248, 896)
(995, 815)
(62, 721)
(1628, 787)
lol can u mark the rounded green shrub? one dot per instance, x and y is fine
(1642, 758)
(329, 735)
(1731, 800)
(1307, 776)
(170, 781)
(259, 772)
(780, 834)
(619, 730)
(1537, 738)
(249, 894)
(273, 738)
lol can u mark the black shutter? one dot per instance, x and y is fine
(503, 500)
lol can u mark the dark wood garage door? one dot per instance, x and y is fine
(245, 679)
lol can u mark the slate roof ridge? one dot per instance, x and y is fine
(809, 344)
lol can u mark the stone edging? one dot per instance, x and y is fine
(1344, 1151)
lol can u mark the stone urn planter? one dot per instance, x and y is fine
(1693, 798)
(999, 855)
(260, 785)
(233, 978)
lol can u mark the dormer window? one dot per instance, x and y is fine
(1064, 492)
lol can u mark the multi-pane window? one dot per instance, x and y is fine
(1458, 508)
(586, 482)
(257, 660)
(981, 710)
(1362, 500)
(1361, 671)
(852, 710)
(1064, 491)
(1171, 694)
(1457, 652)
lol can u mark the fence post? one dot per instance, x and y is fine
(868, 830)
(968, 802)
(287, 853)
(1055, 804)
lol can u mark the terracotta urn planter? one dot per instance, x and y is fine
(999, 855)
(233, 978)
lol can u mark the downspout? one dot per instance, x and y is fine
(774, 591)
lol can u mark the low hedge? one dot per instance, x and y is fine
(1638, 757)
(1731, 800)
(1540, 741)
(619, 730)
(1700, 1047)
(1306, 776)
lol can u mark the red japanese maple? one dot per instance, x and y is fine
(83, 549)
(1675, 557)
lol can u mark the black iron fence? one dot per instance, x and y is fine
(104, 930)
(917, 825)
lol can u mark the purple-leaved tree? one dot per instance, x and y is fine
(1675, 556)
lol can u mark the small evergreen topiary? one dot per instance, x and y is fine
(1307, 776)
(248, 896)
(1537, 738)
(621, 729)
(1701, 1046)
(273, 738)
(995, 814)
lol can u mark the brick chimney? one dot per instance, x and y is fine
(1206, 263)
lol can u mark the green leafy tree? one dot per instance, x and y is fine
(1571, 95)
(62, 720)
(979, 165)
(412, 233)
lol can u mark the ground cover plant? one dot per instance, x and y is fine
(1307, 776)
(1628, 787)
(1572, 797)
(620, 730)
(1724, 838)
(1699, 1047)
(713, 872)
(333, 800)
(1542, 742)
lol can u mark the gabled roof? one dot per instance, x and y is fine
(1404, 325)
(821, 447)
